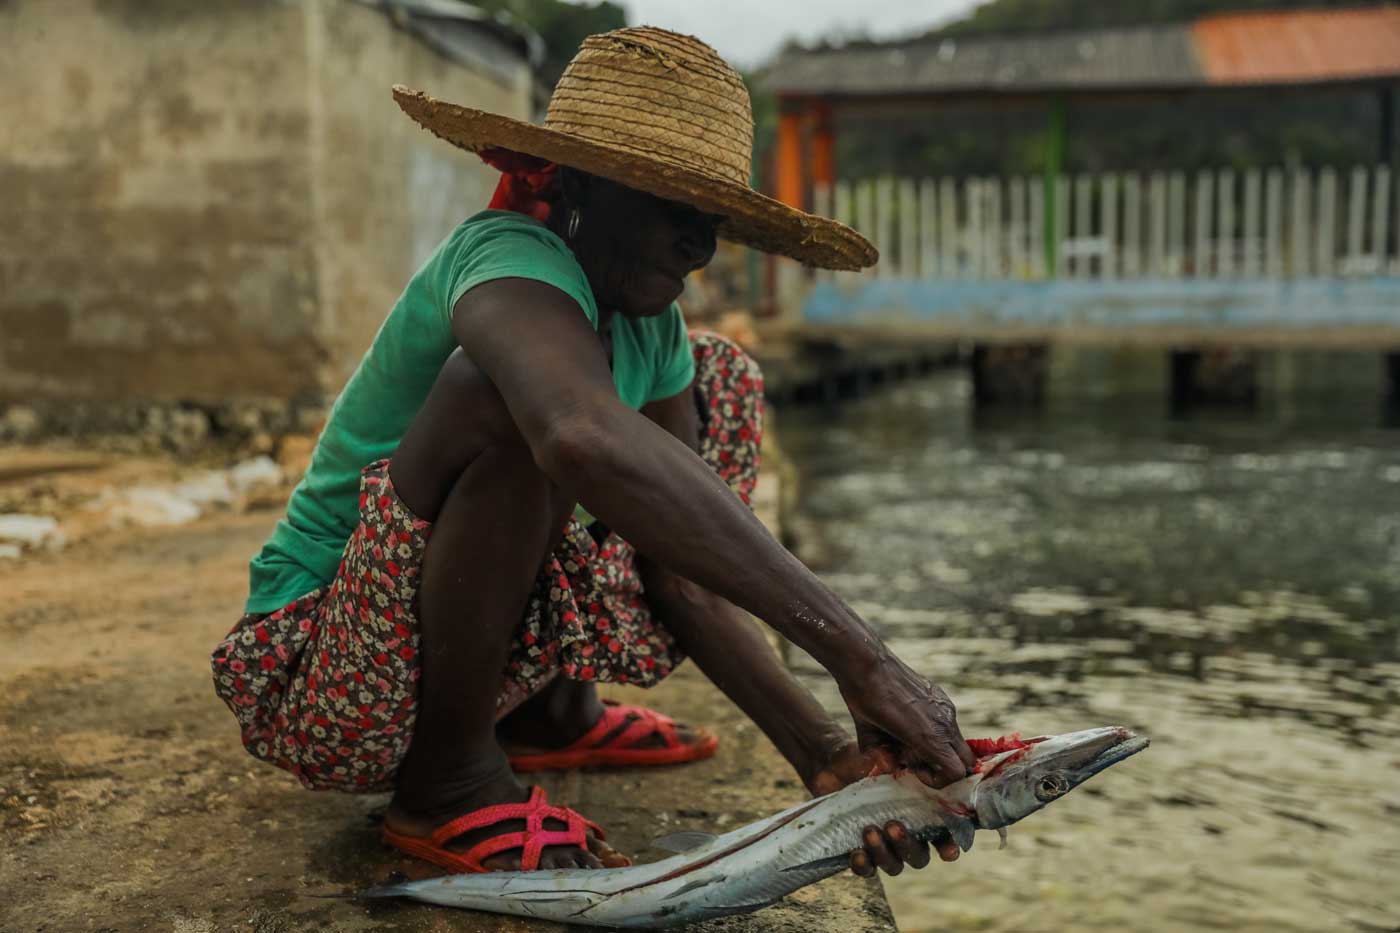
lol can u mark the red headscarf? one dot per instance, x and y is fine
(527, 182)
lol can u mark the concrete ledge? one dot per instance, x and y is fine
(126, 802)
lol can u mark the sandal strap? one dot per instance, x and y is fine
(624, 726)
(478, 819)
(531, 841)
(646, 722)
(606, 725)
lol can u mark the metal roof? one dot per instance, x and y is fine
(1299, 47)
(1303, 47)
(467, 34)
(1142, 56)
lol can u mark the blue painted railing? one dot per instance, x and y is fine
(1209, 306)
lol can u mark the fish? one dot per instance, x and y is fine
(758, 865)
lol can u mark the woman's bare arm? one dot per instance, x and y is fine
(545, 360)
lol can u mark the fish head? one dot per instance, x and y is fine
(1013, 784)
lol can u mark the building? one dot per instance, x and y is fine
(1237, 66)
(208, 204)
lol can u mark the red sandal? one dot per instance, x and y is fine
(531, 841)
(592, 751)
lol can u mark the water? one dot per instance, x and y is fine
(1227, 583)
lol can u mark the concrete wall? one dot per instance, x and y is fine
(388, 191)
(153, 218)
(207, 201)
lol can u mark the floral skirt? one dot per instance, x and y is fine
(326, 687)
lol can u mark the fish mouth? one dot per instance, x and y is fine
(1125, 744)
(1081, 755)
(1087, 753)
(1029, 778)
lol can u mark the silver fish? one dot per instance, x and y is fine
(760, 864)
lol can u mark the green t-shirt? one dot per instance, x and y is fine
(651, 360)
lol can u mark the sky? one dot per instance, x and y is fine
(746, 32)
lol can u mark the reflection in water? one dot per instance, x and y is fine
(1228, 584)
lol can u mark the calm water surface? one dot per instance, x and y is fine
(1227, 583)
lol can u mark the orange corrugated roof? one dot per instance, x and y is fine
(1300, 46)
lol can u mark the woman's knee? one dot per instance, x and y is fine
(463, 416)
(729, 393)
(724, 361)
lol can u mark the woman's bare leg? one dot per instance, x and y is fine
(496, 517)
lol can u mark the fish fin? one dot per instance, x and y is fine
(832, 863)
(961, 829)
(1001, 831)
(683, 841)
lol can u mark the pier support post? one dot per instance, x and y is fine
(1216, 376)
(1392, 379)
(1009, 373)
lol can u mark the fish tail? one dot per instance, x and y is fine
(392, 889)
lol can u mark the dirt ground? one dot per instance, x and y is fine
(127, 803)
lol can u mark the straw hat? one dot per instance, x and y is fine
(663, 113)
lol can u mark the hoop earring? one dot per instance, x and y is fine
(572, 230)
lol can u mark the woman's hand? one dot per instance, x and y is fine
(889, 847)
(911, 720)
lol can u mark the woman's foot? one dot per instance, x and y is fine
(564, 712)
(418, 817)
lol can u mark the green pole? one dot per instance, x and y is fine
(1054, 163)
(751, 261)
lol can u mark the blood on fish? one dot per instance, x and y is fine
(984, 748)
(882, 761)
(988, 748)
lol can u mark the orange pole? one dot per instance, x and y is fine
(788, 183)
(823, 147)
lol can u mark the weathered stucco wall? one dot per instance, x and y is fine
(204, 202)
(153, 218)
(388, 191)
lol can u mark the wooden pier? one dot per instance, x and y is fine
(811, 365)
(1213, 261)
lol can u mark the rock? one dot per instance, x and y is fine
(152, 506)
(262, 443)
(178, 429)
(259, 473)
(209, 489)
(21, 423)
(247, 419)
(187, 429)
(187, 501)
(156, 422)
(30, 531)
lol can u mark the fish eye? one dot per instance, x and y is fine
(1051, 786)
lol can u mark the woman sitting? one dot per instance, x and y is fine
(536, 480)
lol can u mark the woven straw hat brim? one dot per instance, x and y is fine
(751, 218)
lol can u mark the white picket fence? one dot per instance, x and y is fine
(1214, 224)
